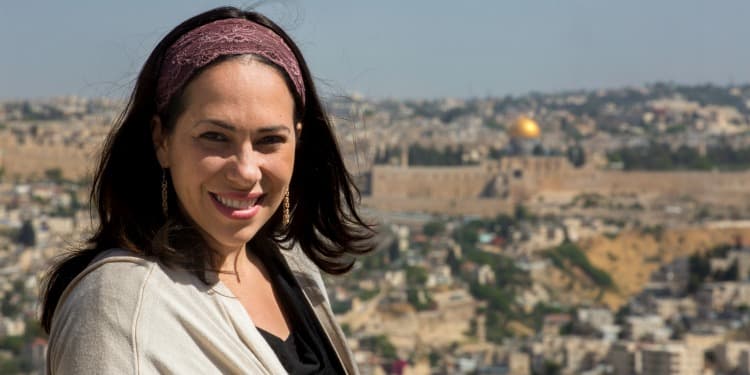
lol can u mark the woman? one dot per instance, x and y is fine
(221, 194)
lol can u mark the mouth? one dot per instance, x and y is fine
(237, 207)
(237, 204)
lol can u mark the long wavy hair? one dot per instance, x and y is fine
(126, 189)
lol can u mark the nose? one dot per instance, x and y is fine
(245, 170)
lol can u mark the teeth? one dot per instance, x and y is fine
(236, 204)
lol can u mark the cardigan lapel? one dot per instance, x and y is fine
(246, 329)
(308, 277)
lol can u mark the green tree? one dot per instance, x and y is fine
(420, 299)
(416, 275)
(496, 327)
(10, 366)
(382, 346)
(12, 343)
(27, 235)
(502, 225)
(54, 174)
(498, 299)
(569, 254)
(466, 235)
(433, 228)
(552, 368)
(538, 150)
(521, 213)
(576, 155)
(700, 268)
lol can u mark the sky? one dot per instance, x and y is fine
(396, 48)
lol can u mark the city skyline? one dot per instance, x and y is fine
(414, 50)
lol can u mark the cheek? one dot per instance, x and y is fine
(284, 165)
(191, 170)
(279, 164)
(206, 169)
(277, 171)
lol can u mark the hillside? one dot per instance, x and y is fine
(632, 256)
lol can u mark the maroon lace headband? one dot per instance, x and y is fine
(231, 36)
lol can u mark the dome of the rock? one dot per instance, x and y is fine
(525, 128)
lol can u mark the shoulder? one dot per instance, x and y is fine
(300, 264)
(306, 272)
(97, 313)
(117, 284)
(114, 278)
(130, 314)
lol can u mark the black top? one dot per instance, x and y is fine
(307, 350)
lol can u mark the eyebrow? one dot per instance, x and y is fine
(230, 127)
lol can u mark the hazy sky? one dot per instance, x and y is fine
(397, 48)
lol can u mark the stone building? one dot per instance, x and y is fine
(625, 357)
(671, 358)
(728, 354)
(719, 296)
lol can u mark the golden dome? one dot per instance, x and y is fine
(525, 128)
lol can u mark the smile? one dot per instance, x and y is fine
(236, 203)
(236, 207)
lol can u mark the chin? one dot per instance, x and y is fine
(228, 236)
(244, 236)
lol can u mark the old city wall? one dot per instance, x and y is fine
(32, 160)
(458, 190)
(443, 190)
(548, 165)
(710, 187)
(486, 207)
(448, 183)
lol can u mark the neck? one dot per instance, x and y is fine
(241, 267)
(231, 262)
(228, 260)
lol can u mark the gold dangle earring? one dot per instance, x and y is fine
(286, 217)
(164, 193)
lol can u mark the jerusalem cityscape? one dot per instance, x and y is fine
(597, 231)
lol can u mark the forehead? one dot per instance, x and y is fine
(237, 86)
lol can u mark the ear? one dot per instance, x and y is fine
(160, 141)
(298, 129)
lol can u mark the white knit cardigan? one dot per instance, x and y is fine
(126, 314)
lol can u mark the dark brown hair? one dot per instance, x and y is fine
(126, 188)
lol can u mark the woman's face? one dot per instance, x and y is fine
(231, 152)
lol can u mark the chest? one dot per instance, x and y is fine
(261, 302)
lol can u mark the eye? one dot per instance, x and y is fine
(214, 137)
(272, 139)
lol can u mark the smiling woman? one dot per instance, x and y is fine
(231, 152)
(221, 193)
